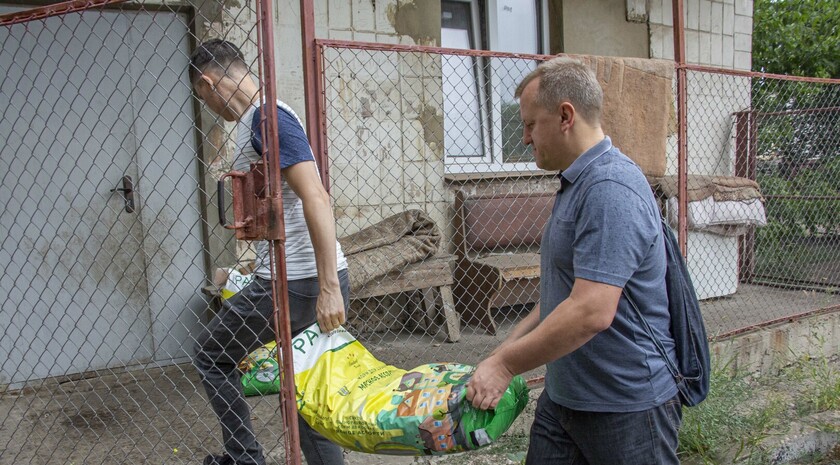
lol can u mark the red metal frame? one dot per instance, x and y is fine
(742, 159)
(785, 319)
(427, 49)
(803, 197)
(321, 113)
(803, 111)
(312, 97)
(756, 74)
(746, 150)
(745, 167)
(277, 250)
(682, 118)
(534, 383)
(55, 9)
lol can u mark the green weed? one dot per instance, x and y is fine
(742, 411)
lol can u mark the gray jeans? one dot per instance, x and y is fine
(244, 324)
(562, 436)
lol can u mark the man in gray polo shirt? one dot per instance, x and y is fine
(608, 398)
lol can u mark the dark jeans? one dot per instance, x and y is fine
(563, 436)
(244, 324)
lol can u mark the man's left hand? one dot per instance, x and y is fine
(488, 383)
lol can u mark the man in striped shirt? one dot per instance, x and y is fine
(318, 284)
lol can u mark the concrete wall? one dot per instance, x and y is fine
(385, 138)
(600, 27)
(717, 32)
(405, 22)
(765, 350)
(232, 21)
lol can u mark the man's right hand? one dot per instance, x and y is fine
(488, 383)
(330, 309)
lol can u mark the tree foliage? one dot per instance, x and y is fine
(797, 37)
(798, 128)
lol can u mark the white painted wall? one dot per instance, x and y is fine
(600, 27)
(382, 161)
(718, 32)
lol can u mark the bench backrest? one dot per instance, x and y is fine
(498, 221)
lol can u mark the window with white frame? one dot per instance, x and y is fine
(482, 129)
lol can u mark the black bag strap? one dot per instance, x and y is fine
(672, 367)
(675, 372)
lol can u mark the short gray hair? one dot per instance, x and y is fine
(565, 79)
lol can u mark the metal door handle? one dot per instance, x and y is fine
(127, 192)
(238, 201)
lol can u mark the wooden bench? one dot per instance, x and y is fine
(433, 278)
(497, 237)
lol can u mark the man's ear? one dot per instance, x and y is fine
(567, 116)
(207, 80)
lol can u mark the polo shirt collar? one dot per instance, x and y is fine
(570, 174)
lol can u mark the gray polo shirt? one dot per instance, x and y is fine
(605, 228)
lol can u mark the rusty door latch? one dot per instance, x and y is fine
(127, 192)
(255, 215)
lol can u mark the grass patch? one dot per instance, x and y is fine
(820, 380)
(742, 411)
(724, 419)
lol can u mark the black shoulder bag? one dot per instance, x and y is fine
(693, 367)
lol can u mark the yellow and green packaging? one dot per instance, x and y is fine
(363, 404)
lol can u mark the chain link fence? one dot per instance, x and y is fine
(763, 238)
(429, 136)
(109, 233)
(437, 131)
(110, 244)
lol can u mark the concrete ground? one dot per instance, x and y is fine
(159, 415)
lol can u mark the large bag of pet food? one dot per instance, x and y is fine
(362, 404)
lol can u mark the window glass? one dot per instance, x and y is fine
(461, 103)
(482, 128)
(521, 16)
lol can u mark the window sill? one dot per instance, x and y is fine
(460, 178)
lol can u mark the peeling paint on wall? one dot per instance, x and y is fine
(432, 121)
(421, 23)
(637, 11)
